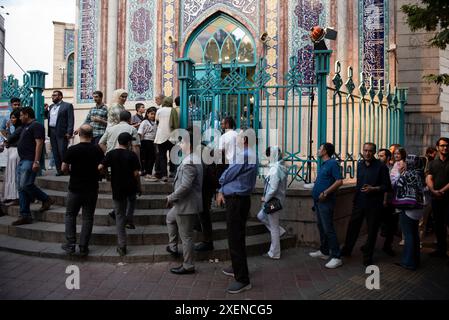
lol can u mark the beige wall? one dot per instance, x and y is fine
(444, 97)
(416, 59)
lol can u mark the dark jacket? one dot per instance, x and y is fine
(375, 175)
(66, 119)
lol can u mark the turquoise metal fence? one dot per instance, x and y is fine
(30, 92)
(295, 116)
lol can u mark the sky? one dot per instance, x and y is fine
(29, 33)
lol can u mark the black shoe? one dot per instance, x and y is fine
(237, 287)
(69, 248)
(172, 252)
(121, 251)
(438, 254)
(112, 215)
(204, 246)
(130, 226)
(84, 251)
(228, 271)
(22, 221)
(58, 174)
(389, 251)
(47, 205)
(181, 270)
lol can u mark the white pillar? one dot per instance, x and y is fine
(343, 36)
(111, 73)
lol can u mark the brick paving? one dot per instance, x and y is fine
(295, 277)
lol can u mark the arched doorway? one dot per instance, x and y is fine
(222, 40)
(224, 53)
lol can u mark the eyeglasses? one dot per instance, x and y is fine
(367, 150)
(444, 145)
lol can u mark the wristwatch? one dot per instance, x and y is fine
(37, 162)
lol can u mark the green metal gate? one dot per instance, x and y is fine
(295, 116)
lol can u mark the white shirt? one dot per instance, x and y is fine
(110, 137)
(54, 115)
(228, 143)
(163, 129)
(147, 130)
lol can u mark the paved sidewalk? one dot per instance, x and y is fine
(295, 277)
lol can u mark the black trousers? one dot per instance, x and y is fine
(161, 167)
(148, 156)
(58, 147)
(373, 220)
(237, 210)
(390, 222)
(440, 209)
(204, 222)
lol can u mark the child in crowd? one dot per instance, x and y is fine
(147, 132)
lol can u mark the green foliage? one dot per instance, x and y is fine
(433, 17)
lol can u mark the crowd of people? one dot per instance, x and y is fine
(123, 148)
(395, 191)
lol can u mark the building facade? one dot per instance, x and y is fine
(133, 44)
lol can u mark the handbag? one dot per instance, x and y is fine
(272, 206)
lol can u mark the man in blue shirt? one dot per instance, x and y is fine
(237, 184)
(328, 181)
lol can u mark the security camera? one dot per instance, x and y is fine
(264, 37)
(171, 40)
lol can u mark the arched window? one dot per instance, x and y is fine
(221, 42)
(70, 70)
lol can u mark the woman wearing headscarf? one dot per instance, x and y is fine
(274, 191)
(11, 194)
(119, 98)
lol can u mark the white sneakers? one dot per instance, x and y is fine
(318, 254)
(334, 263)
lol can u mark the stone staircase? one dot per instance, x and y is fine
(146, 243)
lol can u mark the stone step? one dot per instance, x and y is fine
(142, 217)
(107, 235)
(62, 184)
(255, 245)
(158, 201)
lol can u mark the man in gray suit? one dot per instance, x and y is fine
(61, 120)
(186, 203)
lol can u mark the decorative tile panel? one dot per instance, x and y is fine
(168, 52)
(272, 12)
(304, 14)
(373, 35)
(87, 50)
(141, 36)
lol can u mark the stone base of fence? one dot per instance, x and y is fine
(299, 218)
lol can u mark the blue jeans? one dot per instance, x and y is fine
(27, 189)
(328, 236)
(411, 251)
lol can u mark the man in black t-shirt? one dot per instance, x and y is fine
(125, 182)
(29, 148)
(438, 182)
(81, 161)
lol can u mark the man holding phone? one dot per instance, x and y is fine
(373, 180)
